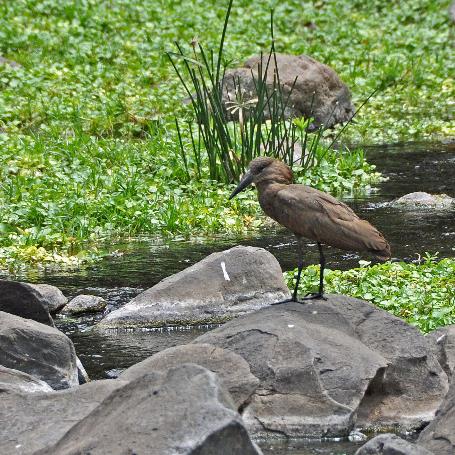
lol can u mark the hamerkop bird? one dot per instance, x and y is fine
(310, 213)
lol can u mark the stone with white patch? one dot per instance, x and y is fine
(218, 288)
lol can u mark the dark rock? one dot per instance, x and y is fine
(391, 444)
(318, 91)
(232, 369)
(24, 300)
(420, 199)
(30, 422)
(18, 381)
(39, 350)
(52, 295)
(221, 286)
(183, 410)
(444, 339)
(327, 366)
(85, 304)
(439, 435)
(12, 63)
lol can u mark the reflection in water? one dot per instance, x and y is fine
(410, 167)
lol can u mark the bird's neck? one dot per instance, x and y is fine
(266, 194)
(271, 183)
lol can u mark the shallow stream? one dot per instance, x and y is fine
(409, 167)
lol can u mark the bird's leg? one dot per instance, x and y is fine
(299, 273)
(320, 293)
(297, 277)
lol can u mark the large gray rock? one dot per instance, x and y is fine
(221, 286)
(183, 410)
(30, 422)
(444, 339)
(318, 91)
(21, 382)
(85, 304)
(24, 300)
(329, 365)
(391, 444)
(52, 295)
(422, 200)
(231, 368)
(439, 435)
(39, 350)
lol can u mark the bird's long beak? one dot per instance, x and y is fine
(247, 179)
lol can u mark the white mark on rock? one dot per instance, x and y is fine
(440, 338)
(314, 312)
(223, 268)
(290, 326)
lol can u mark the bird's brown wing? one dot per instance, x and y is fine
(319, 216)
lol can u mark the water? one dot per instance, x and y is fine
(409, 167)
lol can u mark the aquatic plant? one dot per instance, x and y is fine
(421, 293)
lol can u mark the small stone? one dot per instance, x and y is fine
(85, 304)
(420, 199)
(357, 436)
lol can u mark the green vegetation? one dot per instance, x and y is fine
(88, 144)
(422, 294)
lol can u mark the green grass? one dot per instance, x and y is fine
(86, 190)
(422, 294)
(88, 146)
(101, 65)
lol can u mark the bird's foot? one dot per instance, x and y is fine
(315, 296)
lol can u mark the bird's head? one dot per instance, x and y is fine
(261, 169)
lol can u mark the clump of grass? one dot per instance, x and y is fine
(230, 147)
(422, 294)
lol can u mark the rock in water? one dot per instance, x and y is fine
(318, 91)
(219, 287)
(422, 200)
(326, 367)
(24, 300)
(183, 410)
(232, 369)
(39, 350)
(85, 304)
(53, 296)
(439, 435)
(391, 444)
